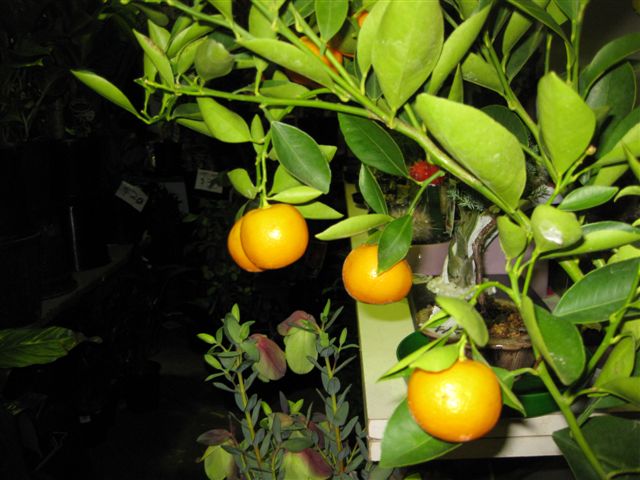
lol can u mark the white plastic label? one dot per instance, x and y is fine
(133, 195)
(206, 180)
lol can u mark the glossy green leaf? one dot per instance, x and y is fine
(259, 25)
(508, 120)
(619, 362)
(301, 156)
(632, 327)
(297, 195)
(632, 190)
(372, 144)
(353, 226)
(609, 55)
(456, 47)
(318, 211)
(283, 180)
(625, 388)
(478, 71)
(328, 151)
(187, 56)
(282, 89)
(615, 91)
(299, 345)
(371, 191)
(242, 183)
(599, 293)
(624, 253)
(289, 57)
(566, 350)
(553, 229)
(634, 163)
(601, 236)
(406, 48)
(570, 8)
(394, 242)
(22, 347)
(586, 197)
(368, 34)
(609, 174)
(614, 441)
(212, 60)
(105, 88)
(456, 92)
(523, 52)
(611, 136)
(467, 7)
(159, 35)
(330, 16)
(223, 123)
(405, 443)
(437, 359)
(512, 237)
(556, 12)
(630, 141)
(541, 15)
(467, 317)
(516, 27)
(195, 125)
(157, 57)
(505, 380)
(463, 131)
(154, 15)
(223, 6)
(186, 36)
(218, 463)
(566, 121)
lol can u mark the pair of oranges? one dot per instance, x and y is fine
(268, 238)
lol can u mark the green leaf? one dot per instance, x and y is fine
(105, 88)
(405, 443)
(301, 156)
(553, 228)
(586, 197)
(619, 362)
(223, 6)
(611, 136)
(212, 60)
(508, 120)
(242, 183)
(630, 141)
(599, 293)
(463, 131)
(467, 317)
(297, 195)
(614, 92)
(154, 15)
(566, 350)
(368, 34)
(609, 55)
(601, 236)
(512, 237)
(523, 52)
(290, 57)
(157, 57)
(478, 71)
(394, 242)
(353, 226)
(456, 92)
(159, 35)
(539, 14)
(259, 25)
(516, 27)
(330, 17)
(632, 190)
(195, 125)
(614, 440)
(224, 124)
(406, 48)
(566, 121)
(283, 180)
(570, 8)
(456, 47)
(318, 211)
(371, 191)
(626, 388)
(22, 347)
(372, 144)
(187, 56)
(282, 89)
(437, 359)
(299, 345)
(184, 37)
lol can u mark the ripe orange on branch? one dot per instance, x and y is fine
(234, 245)
(363, 282)
(459, 404)
(274, 236)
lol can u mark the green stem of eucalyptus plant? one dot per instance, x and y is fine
(247, 416)
(334, 409)
(570, 418)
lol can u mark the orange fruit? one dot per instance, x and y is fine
(275, 236)
(362, 17)
(314, 48)
(459, 404)
(234, 246)
(362, 281)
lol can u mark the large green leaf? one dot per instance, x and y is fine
(600, 236)
(242, 183)
(523, 52)
(512, 237)
(405, 443)
(394, 242)
(297, 195)
(372, 144)
(157, 57)
(318, 211)
(553, 228)
(22, 347)
(609, 55)
(599, 293)
(299, 345)
(619, 362)
(614, 440)
(616, 92)
(566, 121)
(467, 317)
(586, 197)
(290, 57)
(371, 191)
(105, 88)
(259, 25)
(406, 48)
(630, 141)
(223, 123)
(516, 27)
(463, 131)
(353, 226)
(564, 343)
(283, 180)
(368, 34)
(626, 388)
(212, 60)
(301, 156)
(476, 70)
(456, 47)
(437, 359)
(611, 136)
(330, 17)
(533, 10)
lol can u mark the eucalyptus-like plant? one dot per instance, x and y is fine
(411, 67)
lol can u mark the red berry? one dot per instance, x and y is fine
(421, 170)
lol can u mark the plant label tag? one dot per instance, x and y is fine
(133, 195)
(207, 180)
